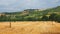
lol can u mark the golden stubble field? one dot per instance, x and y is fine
(29, 27)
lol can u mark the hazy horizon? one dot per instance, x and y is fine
(19, 5)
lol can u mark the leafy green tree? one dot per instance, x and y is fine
(44, 18)
(52, 17)
(3, 18)
(19, 18)
(57, 18)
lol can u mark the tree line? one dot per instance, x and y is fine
(51, 17)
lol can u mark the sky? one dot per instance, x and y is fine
(19, 5)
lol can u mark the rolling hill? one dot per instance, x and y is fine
(30, 14)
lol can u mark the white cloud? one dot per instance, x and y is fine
(55, 1)
(25, 4)
(7, 2)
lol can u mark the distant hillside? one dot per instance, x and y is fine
(32, 14)
(37, 11)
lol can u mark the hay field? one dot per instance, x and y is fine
(29, 27)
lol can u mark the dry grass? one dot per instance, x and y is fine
(42, 27)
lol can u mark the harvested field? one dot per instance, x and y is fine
(29, 27)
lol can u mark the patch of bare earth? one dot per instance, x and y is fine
(37, 27)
